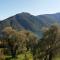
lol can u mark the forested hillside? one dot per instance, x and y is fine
(24, 45)
(28, 37)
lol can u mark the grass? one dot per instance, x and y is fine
(23, 56)
(57, 56)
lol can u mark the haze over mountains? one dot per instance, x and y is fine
(30, 22)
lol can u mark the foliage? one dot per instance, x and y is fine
(24, 45)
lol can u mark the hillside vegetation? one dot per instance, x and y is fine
(24, 45)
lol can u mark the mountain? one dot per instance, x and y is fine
(30, 22)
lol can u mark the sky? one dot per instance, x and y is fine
(35, 7)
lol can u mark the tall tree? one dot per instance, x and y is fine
(48, 42)
(11, 40)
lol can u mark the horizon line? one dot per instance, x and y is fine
(30, 14)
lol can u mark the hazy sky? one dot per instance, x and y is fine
(35, 7)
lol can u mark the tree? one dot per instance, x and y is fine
(20, 41)
(48, 43)
(11, 40)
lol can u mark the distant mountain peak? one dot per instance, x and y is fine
(23, 13)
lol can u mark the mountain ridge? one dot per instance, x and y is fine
(30, 22)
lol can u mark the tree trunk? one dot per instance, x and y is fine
(45, 58)
(50, 56)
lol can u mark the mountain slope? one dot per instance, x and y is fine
(29, 22)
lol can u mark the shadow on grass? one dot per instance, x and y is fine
(10, 58)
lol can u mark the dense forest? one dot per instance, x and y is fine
(25, 45)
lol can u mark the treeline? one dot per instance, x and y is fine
(16, 42)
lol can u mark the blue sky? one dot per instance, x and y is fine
(36, 7)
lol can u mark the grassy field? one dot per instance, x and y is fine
(23, 56)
